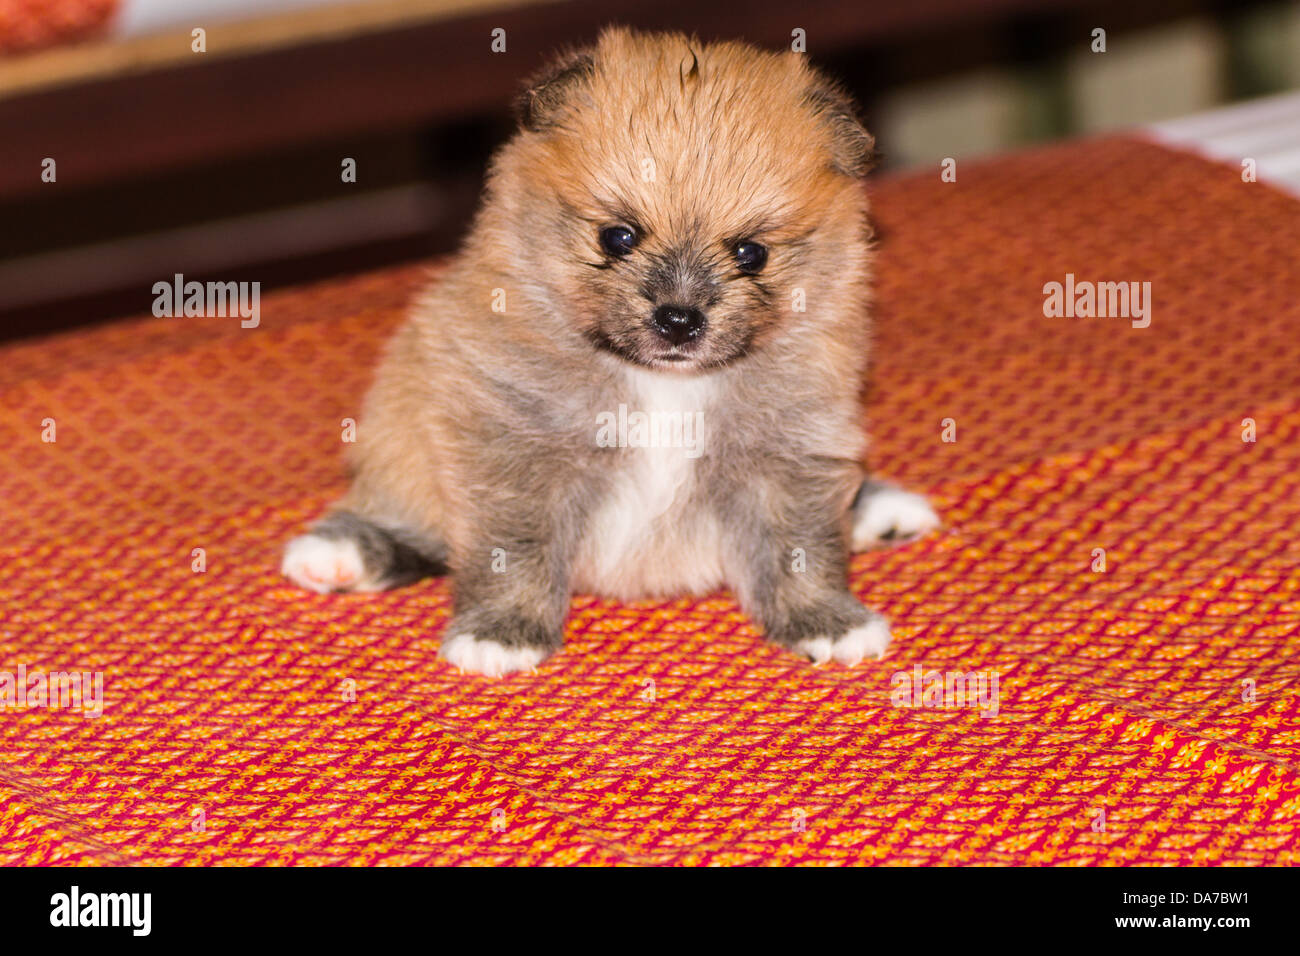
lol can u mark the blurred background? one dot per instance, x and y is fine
(225, 162)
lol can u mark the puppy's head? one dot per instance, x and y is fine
(680, 203)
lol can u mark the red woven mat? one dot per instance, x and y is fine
(1147, 712)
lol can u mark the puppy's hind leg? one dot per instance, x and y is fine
(884, 514)
(346, 551)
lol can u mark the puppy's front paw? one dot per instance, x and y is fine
(482, 655)
(835, 628)
(884, 515)
(850, 647)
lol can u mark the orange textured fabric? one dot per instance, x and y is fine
(1147, 711)
(30, 24)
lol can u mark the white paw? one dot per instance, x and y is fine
(323, 564)
(869, 640)
(489, 657)
(889, 516)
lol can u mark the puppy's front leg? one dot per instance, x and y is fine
(790, 571)
(512, 595)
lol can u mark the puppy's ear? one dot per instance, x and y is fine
(853, 149)
(542, 102)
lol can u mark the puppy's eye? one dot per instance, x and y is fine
(751, 257)
(618, 240)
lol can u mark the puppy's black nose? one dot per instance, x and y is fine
(677, 324)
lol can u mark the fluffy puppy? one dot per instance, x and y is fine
(640, 376)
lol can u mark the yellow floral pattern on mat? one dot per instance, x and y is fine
(1147, 712)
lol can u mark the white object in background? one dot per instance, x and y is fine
(137, 17)
(1266, 130)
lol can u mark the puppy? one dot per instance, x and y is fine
(640, 377)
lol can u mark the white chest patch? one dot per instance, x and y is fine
(644, 540)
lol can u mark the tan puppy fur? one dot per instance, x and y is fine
(617, 268)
